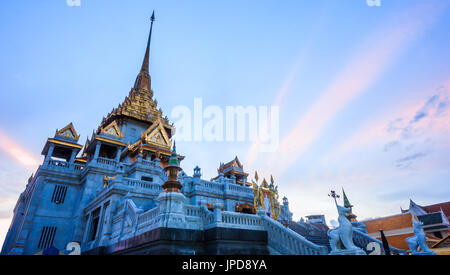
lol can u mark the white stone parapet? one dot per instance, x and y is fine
(287, 242)
(172, 212)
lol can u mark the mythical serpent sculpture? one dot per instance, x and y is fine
(418, 240)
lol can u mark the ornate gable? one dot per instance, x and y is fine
(112, 129)
(68, 132)
(237, 163)
(157, 135)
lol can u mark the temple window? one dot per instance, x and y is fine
(108, 151)
(94, 224)
(59, 194)
(61, 154)
(47, 237)
(438, 234)
(144, 178)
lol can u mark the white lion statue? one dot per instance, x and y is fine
(341, 238)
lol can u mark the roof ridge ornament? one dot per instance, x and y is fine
(143, 80)
(112, 129)
(68, 132)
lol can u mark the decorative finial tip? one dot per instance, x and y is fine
(153, 16)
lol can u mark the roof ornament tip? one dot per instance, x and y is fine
(153, 16)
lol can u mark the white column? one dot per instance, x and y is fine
(217, 212)
(72, 157)
(87, 230)
(97, 150)
(100, 225)
(49, 153)
(118, 154)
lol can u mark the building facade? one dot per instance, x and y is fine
(105, 193)
(124, 192)
(397, 228)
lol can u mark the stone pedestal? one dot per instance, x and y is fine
(424, 253)
(217, 212)
(16, 251)
(171, 209)
(348, 252)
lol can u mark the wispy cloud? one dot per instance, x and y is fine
(378, 52)
(17, 152)
(297, 68)
(406, 162)
(424, 111)
(409, 131)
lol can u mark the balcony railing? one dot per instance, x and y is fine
(240, 189)
(142, 184)
(64, 166)
(106, 161)
(281, 239)
(288, 242)
(234, 219)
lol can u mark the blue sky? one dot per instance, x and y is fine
(363, 91)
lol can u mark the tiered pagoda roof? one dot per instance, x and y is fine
(233, 168)
(139, 104)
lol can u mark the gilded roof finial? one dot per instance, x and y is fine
(143, 79)
(145, 64)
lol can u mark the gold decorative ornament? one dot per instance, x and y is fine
(106, 180)
(112, 129)
(68, 131)
(265, 191)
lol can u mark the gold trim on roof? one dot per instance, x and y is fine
(81, 160)
(153, 148)
(110, 141)
(68, 131)
(140, 106)
(112, 129)
(60, 142)
(157, 135)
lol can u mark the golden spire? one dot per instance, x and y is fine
(139, 104)
(143, 80)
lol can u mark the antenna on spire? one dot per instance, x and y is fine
(153, 16)
(143, 80)
(145, 64)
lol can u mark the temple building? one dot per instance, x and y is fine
(234, 170)
(351, 217)
(124, 192)
(397, 228)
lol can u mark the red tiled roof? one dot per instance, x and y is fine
(389, 223)
(437, 207)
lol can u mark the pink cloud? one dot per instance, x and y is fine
(17, 152)
(377, 132)
(369, 63)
